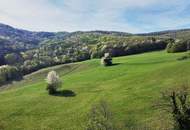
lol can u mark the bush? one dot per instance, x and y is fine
(179, 46)
(53, 82)
(13, 58)
(2, 127)
(106, 60)
(177, 100)
(9, 73)
(100, 117)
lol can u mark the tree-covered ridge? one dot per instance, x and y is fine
(18, 40)
(31, 51)
(180, 34)
(79, 48)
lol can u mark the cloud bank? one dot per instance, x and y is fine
(134, 16)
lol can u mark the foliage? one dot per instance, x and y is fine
(47, 49)
(100, 117)
(2, 127)
(53, 82)
(121, 46)
(12, 58)
(31, 51)
(78, 47)
(179, 106)
(178, 46)
(9, 73)
(106, 60)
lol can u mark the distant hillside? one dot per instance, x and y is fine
(19, 35)
(180, 34)
(13, 40)
(31, 51)
(17, 40)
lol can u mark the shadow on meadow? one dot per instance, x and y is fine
(65, 93)
(114, 64)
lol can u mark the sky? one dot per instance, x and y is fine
(134, 16)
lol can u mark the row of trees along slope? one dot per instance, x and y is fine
(80, 48)
(31, 51)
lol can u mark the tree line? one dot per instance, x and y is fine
(83, 47)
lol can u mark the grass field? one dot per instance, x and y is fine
(131, 87)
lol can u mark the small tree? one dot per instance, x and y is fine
(53, 82)
(100, 117)
(177, 100)
(1, 126)
(106, 60)
(13, 58)
(9, 73)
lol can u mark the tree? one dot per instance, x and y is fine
(13, 58)
(9, 73)
(1, 125)
(177, 100)
(177, 46)
(106, 60)
(100, 117)
(2, 60)
(53, 82)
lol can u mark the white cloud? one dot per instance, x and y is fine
(72, 15)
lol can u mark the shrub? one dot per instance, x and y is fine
(13, 58)
(53, 82)
(177, 46)
(100, 117)
(9, 73)
(1, 126)
(177, 100)
(106, 60)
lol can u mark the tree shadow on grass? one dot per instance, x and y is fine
(114, 64)
(65, 93)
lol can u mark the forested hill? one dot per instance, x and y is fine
(30, 51)
(17, 40)
(181, 33)
(19, 35)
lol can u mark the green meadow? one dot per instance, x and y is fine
(132, 87)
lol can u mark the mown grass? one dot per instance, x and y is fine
(131, 87)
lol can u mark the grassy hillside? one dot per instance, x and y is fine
(131, 87)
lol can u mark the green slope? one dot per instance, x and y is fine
(131, 87)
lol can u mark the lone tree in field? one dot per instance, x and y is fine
(106, 60)
(53, 82)
(177, 100)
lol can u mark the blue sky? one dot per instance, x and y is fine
(135, 16)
